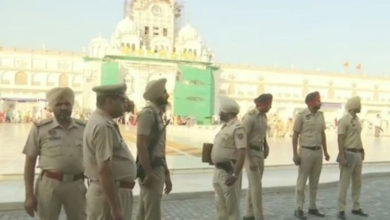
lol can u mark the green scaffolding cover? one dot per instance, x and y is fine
(110, 73)
(194, 94)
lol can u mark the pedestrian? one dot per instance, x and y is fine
(151, 141)
(255, 123)
(109, 165)
(309, 128)
(57, 143)
(350, 157)
(228, 155)
(378, 125)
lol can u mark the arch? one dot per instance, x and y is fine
(232, 89)
(331, 90)
(129, 80)
(63, 80)
(21, 78)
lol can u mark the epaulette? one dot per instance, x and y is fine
(238, 125)
(80, 122)
(43, 122)
(146, 109)
(252, 112)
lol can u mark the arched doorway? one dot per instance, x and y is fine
(21, 78)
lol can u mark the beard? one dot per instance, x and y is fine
(223, 117)
(317, 107)
(161, 101)
(63, 116)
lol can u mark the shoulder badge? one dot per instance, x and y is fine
(80, 122)
(43, 122)
(252, 112)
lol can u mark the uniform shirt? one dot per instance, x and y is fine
(255, 124)
(146, 123)
(350, 127)
(310, 126)
(228, 140)
(58, 148)
(102, 142)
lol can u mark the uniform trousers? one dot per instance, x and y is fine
(254, 197)
(97, 203)
(52, 195)
(227, 198)
(310, 167)
(150, 197)
(354, 172)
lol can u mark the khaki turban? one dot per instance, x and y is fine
(154, 89)
(228, 105)
(59, 94)
(353, 103)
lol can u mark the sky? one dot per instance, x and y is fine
(300, 34)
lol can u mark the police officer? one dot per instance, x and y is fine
(108, 162)
(151, 138)
(350, 157)
(58, 144)
(309, 127)
(228, 155)
(255, 123)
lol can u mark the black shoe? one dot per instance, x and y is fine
(359, 212)
(299, 214)
(315, 212)
(249, 218)
(341, 215)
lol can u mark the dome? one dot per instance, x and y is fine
(99, 40)
(188, 33)
(125, 26)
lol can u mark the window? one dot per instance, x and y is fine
(146, 30)
(165, 32)
(155, 31)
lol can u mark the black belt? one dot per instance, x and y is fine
(226, 166)
(253, 147)
(158, 162)
(120, 183)
(356, 150)
(312, 148)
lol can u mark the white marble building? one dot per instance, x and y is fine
(149, 29)
(26, 75)
(148, 43)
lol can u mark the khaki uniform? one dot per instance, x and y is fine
(350, 127)
(150, 197)
(102, 142)
(255, 125)
(60, 151)
(309, 126)
(227, 142)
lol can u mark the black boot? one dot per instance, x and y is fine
(341, 215)
(300, 214)
(315, 212)
(359, 212)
